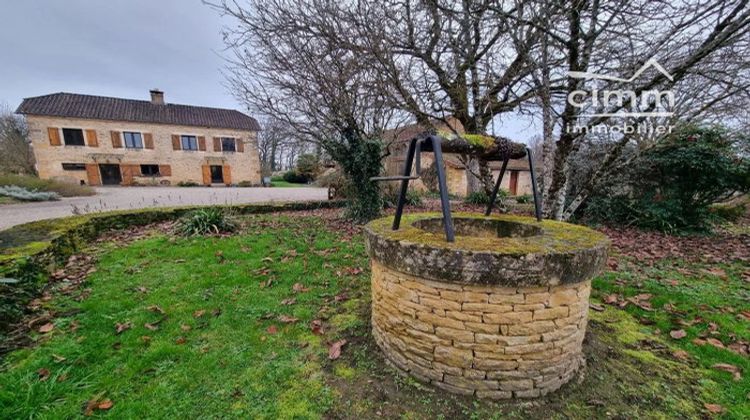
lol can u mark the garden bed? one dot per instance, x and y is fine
(273, 322)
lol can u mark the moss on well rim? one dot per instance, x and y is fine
(557, 237)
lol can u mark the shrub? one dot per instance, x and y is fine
(390, 197)
(208, 221)
(293, 177)
(523, 199)
(33, 183)
(308, 166)
(337, 182)
(188, 184)
(481, 198)
(23, 194)
(671, 187)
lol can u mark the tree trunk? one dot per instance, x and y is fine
(473, 183)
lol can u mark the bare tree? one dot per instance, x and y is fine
(469, 60)
(272, 140)
(699, 43)
(16, 155)
(285, 63)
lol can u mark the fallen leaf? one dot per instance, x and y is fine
(43, 374)
(199, 313)
(151, 327)
(156, 308)
(120, 327)
(289, 301)
(58, 358)
(681, 355)
(180, 340)
(334, 351)
(105, 405)
(185, 327)
(316, 326)
(145, 338)
(716, 343)
(677, 334)
(714, 408)
(726, 367)
(272, 329)
(299, 287)
(341, 297)
(595, 307)
(610, 299)
(47, 327)
(288, 319)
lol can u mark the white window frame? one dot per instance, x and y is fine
(125, 142)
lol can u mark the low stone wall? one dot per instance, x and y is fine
(496, 342)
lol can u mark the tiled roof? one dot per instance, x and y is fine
(74, 105)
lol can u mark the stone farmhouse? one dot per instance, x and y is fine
(517, 179)
(99, 140)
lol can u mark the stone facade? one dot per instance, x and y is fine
(102, 137)
(488, 341)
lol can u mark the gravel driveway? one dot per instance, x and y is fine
(120, 198)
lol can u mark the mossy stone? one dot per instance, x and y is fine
(505, 250)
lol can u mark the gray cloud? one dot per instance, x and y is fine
(118, 48)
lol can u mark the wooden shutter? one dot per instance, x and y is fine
(54, 136)
(202, 143)
(226, 172)
(92, 173)
(148, 140)
(165, 170)
(206, 175)
(116, 139)
(240, 145)
(176, 142)
(127, 174)
(91, 139)
(217, 144)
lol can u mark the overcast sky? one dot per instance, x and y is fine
(123, 48)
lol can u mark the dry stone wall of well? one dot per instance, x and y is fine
(486, 340)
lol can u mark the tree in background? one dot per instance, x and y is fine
(16, 156)
(283, 65)
(308, 166)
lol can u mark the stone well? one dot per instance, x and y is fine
(499, 313)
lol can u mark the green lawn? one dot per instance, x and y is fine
(279, 182)
(238, 339)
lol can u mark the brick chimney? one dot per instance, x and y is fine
(157, 97)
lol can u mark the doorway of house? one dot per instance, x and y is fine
(217, 174)
(111, 174)
(513, 182)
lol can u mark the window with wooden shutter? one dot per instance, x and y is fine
(206, 174)
(54, 136)
(91, 139)
(227, 174)
(240, 145)
(201, 143)
(148, 140)
(217, 144)
(92, 173)
(165, 170)
(176, 142)
(116, 140)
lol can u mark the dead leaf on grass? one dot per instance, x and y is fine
(726, 367)
(595, 307)
(120, 327)
(199, 313)
(681, 355)
(714, 408)
(299, 288)
(316, 326)
(185, 327)
(289, 301)
(716, 343)
(180, 340)
(105, 405)
(677, 334)
(43, 374)
(288, 319)
(334, 351)
(156, 308)
(47, 327)
(272, 329)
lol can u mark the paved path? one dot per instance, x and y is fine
(121, 198)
